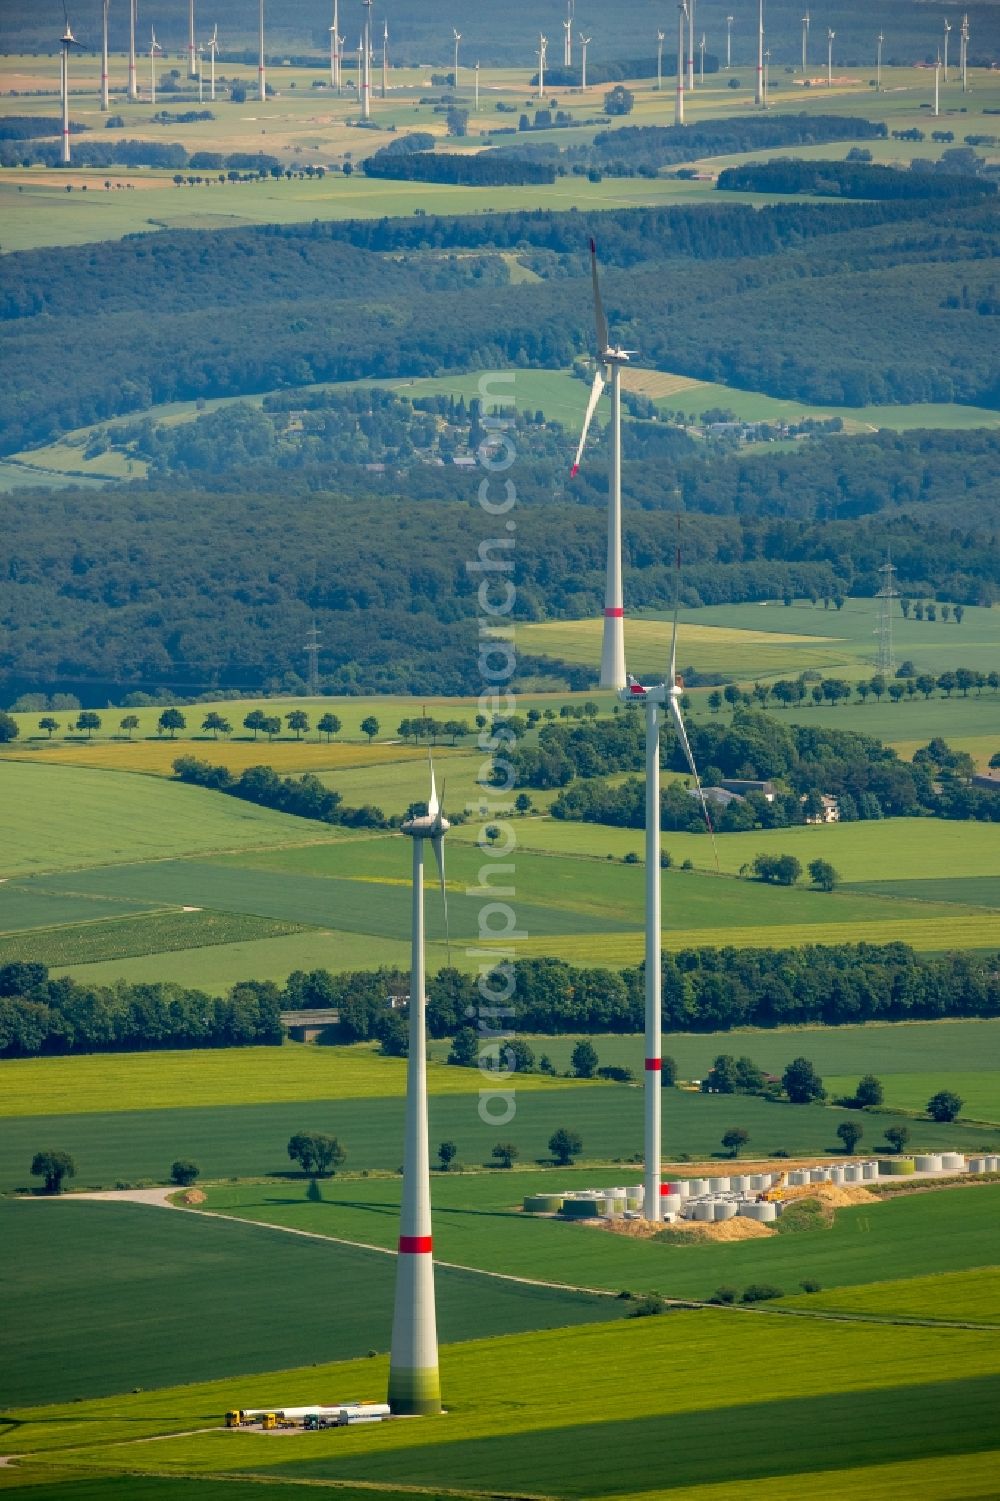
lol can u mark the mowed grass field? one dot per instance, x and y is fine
(137, 1296)
(969, 1296)
(113, 1146)
(519, 1406)
(477, 1222)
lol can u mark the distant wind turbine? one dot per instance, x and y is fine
(690, 48)
(213, 47)
(659, 60)
(414, 1379)
(366, 63)
(154, 48)
(543, 43)
(937, 85)
(66, 41)
(261, 66)
(701, 49)
(568, 42)
(477, 84)
(105, 90)
(682, 10)
(201, 72)
(191, 41)
(729, 42)
(133, 21)
(385, 59)
(880, 40)
(805, 43)
(964, 54)
(584, 44)
(759, 90)
(335, 48)
(830, 34)
(458, 37)
(947, 33)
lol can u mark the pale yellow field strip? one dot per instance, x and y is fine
(158, 756)
(962, 1477)
(657, 383)
(642, 632)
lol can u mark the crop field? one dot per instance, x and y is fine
(143, 933)
(913, 1235)
(979, 1090)
(287, 758)
(108, 1082)
(196, 1279)
(249, 1140)
(713, 649)
(893, 1397)
(972, 1296)
(60, 820)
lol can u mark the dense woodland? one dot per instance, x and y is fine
(704, 990)
(851, 180)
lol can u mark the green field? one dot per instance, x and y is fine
(141, 1297)
(89, 942)
(518, 1404)
(909, 1236)
(979, 1089)
(972, 1297)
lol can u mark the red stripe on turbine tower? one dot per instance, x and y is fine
(654, 1065)
(415, 1245)
(615, 611)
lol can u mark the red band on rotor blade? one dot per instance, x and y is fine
(614, 612)
(654, 1065)
(415, 1245)
(574, 471)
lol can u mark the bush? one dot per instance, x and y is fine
(944, 1106)
(646, 1306)
(565, 1145)
(184, 1173)
(724, 1295)
(53, 1167)
(761, 1292)
(809, 1285)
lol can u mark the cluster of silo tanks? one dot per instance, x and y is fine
(755, 1196)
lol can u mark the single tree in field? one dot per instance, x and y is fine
(492, 833)
(802, 1083)
(298, 720)
(734, 1139)
(715, 700)
(255, 720)
(329, 726)
(215, 722)
(271, 726)
(731, 694)
(869, 1092)
(584, 1060)
(897, 1137)
(505, 1153)
(850, 1134)
(822, 875)
(172, 720)
(316, 1153)
(668, 1072)
(944, 1106)
(49, 725)
(9, 728)
(959, 614)
(465, 1048)
(565, 1145)
(184, 1172)
(89, 721)
(53, 1167)
(926, 684)
(447, 1152)
(370, 727)
(522, 803)
(128, 723)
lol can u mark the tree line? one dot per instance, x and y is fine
(850, 180)
(486, 169)
(304, 796)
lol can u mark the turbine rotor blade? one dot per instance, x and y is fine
(433, 806)
(672, 679)
(599, 318)
(595, 396)
(437, 845)
(686, 744)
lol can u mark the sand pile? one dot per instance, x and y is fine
(193, 1196)
(701, 1230)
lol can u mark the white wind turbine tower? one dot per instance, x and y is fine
(414, 1380)
(261, 71)
(659, 61)
(335, 40)
(654, 698)
(681, 28)
(947, 31)
(477, 85)
(543, 43)
(767, 75)
(964, 54)
(805, 43)
(701, 49)
(458, 37)
(385, 59)
(201, 72)
(729, 42)
(830, 34)
(609, 358)
(105, 93)
(191, 41)
(133, 20)
(213, 47)
(880, 41)
(584, 44)
(154, 48)
(690, 50)
(365, 81)
(568, 42)
(759, 90)
(937, 86)
(66, 41)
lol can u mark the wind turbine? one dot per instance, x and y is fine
(191, 41)
(458, 37)
(414, 1380)
(830, 34)
(385, 59)
(543, 43)
(690, 51)
(105, 99)
(133, 20)
(964, 38)
(477, 85)
(701, 49)
(659, 60)
(213, 47)
(261, 72)
(947, 32)
(584, 44)
(654, 699)
(729, 42)
(66, 41)
(335, 48)
(154, 48)
(201, 72)
(759, 90)
(568, 42)
(880, 39)
(805, 43)
(679, 100)
(767, 74)
(937, 85)
(366, 63)
(609, 358)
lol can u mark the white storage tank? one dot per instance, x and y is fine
(718, 1185)
(953, 1162)
(764, 1212)
(758, 1182)
(929, 1163)
(852, 1173)
(704, 1210)
(797, 1177)
(682, 1187)
(740, 1183)
(869, 1171)
(671, 1203)
(993, 1164)
(725, 1209)
(836, 1175)
(819, 1175)
(697, 1187)
(977, 1164)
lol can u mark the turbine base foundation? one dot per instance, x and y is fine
(415, 1393)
